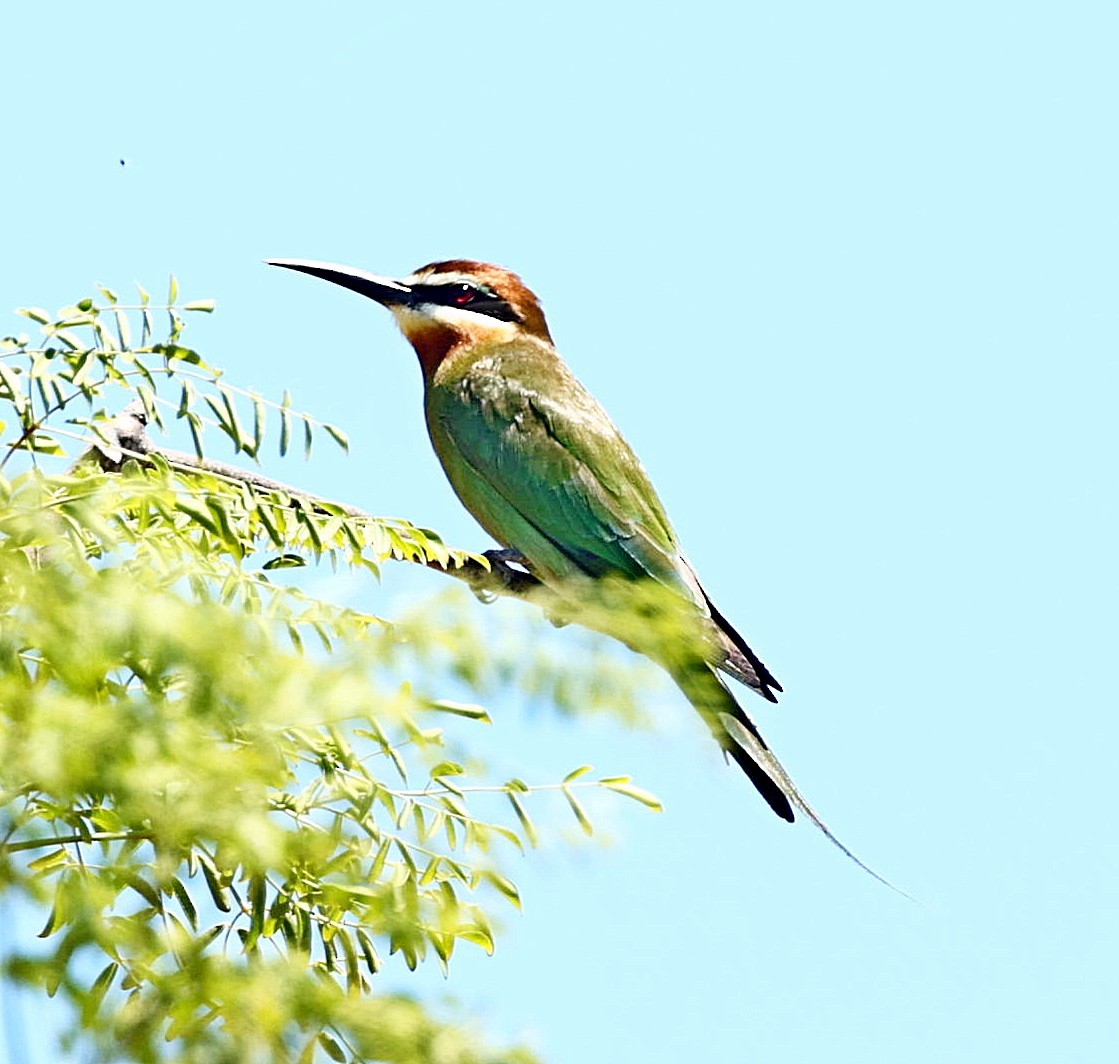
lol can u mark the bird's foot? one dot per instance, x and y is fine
(510, 568)
(505, 558)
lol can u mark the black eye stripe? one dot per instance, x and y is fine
(466, 295)
(448, 292)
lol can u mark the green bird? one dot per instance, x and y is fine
(538, 462)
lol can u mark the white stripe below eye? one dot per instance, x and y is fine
(460, 319)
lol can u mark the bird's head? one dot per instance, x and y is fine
(444, 304)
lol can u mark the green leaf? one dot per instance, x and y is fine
(286, 561)
(258, 909)
(459, 709)
(338, 436)
(507, 834)
(186, 399)
(205, 306)
(172, 290)
(378, 865)
(145, 890)
(303, 518)
(70, 339)
(522, 815)
(58, 917)
(623, 786)
(368, 952)
(258, 425)
(218, 891)
(41, 443)
(479, 936)
(447, 768)
(186, 902)
(235, 431)
(504, 886)
(12, 382)
(263, 512)
(579, 811)
(285, 423)
(349, 956)
(199, 514)
(428, 875)
(91, 1001)
(582, 770)
(49, 862)
(178, 352)
(333, 1049)
(194, 422)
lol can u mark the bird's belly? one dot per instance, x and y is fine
(510, 525)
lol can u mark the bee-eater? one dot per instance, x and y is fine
(540, 465)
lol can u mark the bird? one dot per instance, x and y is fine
(544, 470)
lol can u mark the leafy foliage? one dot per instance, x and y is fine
(237, 800)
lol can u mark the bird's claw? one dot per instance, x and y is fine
(505, 557)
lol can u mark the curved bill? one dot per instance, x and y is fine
(384, 290)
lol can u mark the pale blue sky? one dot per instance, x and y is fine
(845, 274)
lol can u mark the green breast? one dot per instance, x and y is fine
(540, 465)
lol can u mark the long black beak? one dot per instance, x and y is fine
(384, 290)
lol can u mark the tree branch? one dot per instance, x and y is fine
(126, 437)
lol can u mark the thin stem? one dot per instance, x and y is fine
(62, 840)
(493, 789)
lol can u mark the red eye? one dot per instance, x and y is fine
(463, 295)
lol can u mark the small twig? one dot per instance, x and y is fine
(63, 840)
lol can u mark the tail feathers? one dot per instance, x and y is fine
(707, 692)
(746, 671)
(765, 784)
(739, 737)
(753, 748)
(741, 662)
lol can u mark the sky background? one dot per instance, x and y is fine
(845, 275)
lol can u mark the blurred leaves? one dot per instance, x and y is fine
(237, 802)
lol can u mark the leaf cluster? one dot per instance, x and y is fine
(92, 349)
(236, 801)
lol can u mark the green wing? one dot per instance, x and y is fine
(541, 466)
